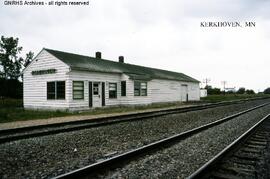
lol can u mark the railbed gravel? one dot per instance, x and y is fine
(184, 158)
(266, 166)
(48, 156)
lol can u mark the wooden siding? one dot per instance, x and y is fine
(35, 86)
(94, 77)
(130, 99)
(157, 90)
(169, 91)
(35, 90)
(193, 91)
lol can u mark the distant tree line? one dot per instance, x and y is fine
(11, 65)
(242, 90)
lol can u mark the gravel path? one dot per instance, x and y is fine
(48, 156)
(180, 160)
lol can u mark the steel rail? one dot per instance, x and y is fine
(8, 135)
(108, 163)
(211, 163)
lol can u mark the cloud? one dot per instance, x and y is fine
(154, 11)
(156, 33)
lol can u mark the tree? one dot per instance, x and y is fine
(11, 88)
(250, 91)
(28, 59)
(241, 90)
(9, 60)
(10, 63)
(230, 92)
(211, 90)
(267, 91)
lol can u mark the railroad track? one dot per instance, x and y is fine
(95, 169)
(243, 158)
(8, 135)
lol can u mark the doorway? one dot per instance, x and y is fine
(184, 93)
(96, 94)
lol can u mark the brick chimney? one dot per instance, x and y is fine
(121, 59)
(98, 55)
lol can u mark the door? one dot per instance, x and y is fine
(103, 94)
(96, 97)
(90, 94)
(184, 93)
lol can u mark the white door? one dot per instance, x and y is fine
(184, 93)
(96, 94)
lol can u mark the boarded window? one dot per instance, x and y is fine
(56, 90)
(123, 88)
(112, 90)
(140, 88)
(78, 90)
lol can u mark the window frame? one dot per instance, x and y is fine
(115, 91)
(138, 90)
(57, 90)
(137, 87)
(96, 87)
(77, 90)
(143, 89)
(55, 93)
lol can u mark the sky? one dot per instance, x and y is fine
(155, 33)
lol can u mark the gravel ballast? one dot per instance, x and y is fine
(44, 157)
(184, 158)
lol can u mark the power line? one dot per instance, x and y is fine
(206, 81)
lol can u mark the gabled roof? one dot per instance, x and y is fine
(86, 63)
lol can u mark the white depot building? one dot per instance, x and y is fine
(60, 80)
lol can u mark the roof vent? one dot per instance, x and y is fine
(98, 55)
(121, 59)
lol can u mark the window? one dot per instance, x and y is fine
(56, 90)
(143, 89)
(95, 89)
(50, 90)
(60, 90)
(112, 90)
(140, 88)
(123, 88)
(137, 86)
(78, 90)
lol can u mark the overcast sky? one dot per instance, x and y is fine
(155, 33)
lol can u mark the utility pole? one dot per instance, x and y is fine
(206, 81)
(224, 84)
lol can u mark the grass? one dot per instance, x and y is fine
(229, 97)
(11, 109)
(19, 114)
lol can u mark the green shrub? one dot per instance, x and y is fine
(11, 103)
